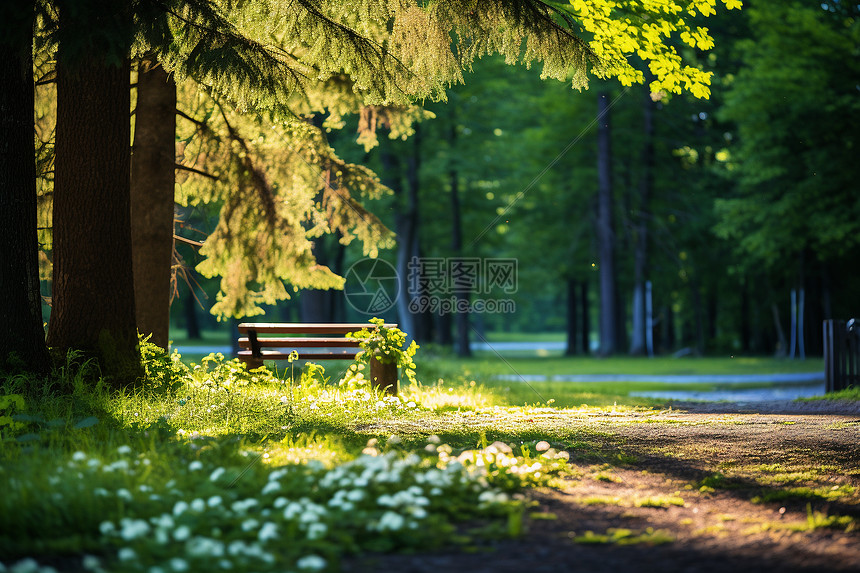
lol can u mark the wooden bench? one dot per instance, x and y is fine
(311, 342)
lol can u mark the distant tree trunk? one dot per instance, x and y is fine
(745, 318)
(640, 254)
(152, 199)
(462, 318)
(423, 320)
(571, 349)
(93, 287)
(192, 324)
(22, 336)
(605, 230)
(781, 347)
(585, 338)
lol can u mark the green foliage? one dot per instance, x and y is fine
(795, 103)
(386, 345)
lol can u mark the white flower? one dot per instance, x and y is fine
(195, 465)
(100, 492)
(93, 463)
(390, 521)
(433, 439)
(179, 564)
(271, 487)
(123, 450)
(268, 531)
(204, 547)
(216, 474)
(106, 527)
(133, 528)
(198, 505)
(214, 501)
(250, 524)
(123, 493)
(79, 456)
(355, 495)
(317, 530)
(542, 446)
(311, 563)
(179, 508)
(28, 565)
(241, 506)
(90, 563)
(181, 533)
(127, 554)
(280, 502)
(225, 564)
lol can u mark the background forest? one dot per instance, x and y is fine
(732, 208)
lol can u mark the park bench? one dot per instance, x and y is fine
(260, 341)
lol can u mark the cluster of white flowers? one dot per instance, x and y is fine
(204, 519)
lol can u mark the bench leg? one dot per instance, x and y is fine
(383, 376)
(252, 363)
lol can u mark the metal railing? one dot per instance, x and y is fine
(841, 354)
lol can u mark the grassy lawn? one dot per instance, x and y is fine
(211, 467)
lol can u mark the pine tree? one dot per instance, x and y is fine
(286, 61)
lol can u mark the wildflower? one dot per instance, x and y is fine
(179, 508)
(106, 527)
(181, 533)
(28, 565)
(195, 465)
(542, 446)
(317, 530)
(250, 524)
(311, 563)
(198, 505)
(91, 563)
(280, 502)
(214, 501)
(79, 456)
(268, 531)
(133, 528)
(123, 450)
(433, 439)
(100, 492)
(271, 487)
(127, 554)
(204, 547)
(93, 463)
(390, 521)
(179, 564)
(123, 493)
(216, 474)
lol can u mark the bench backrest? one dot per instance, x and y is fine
(312, 341)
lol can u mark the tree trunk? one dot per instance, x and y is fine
(585, 336)
(93, 287)
(571, 348)
(605, 229)
(640, 254)
(462, 317)
(152, 195)
(22, 337)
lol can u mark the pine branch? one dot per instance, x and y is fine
(196, 171)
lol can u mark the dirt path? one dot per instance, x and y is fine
(770, 487)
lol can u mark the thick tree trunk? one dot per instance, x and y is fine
(605, 230)
(22, 337)
(152, 195)
(93, 287)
